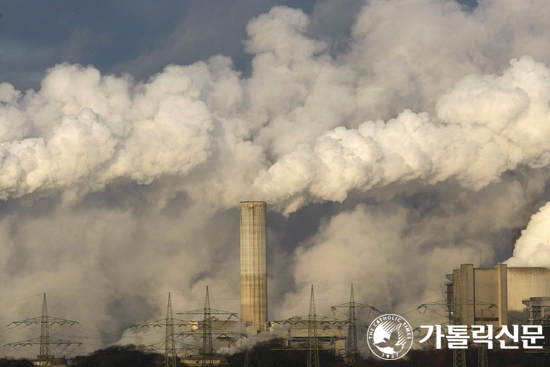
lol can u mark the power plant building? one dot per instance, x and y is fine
(539, 310)
(330, 335)
(254, 265)
(473, 292)
(475, 289)
(524, 283)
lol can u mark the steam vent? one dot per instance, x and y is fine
(253, 265)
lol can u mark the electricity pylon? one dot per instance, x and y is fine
(45, 351)
(313, 356)
(170, 355)
(482, 358)
(207, 348)
(45, 340)
(352, 352)
(207, 352)
(313, 321)
(352, 329)
(459, 355)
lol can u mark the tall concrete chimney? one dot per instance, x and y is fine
(253, 265)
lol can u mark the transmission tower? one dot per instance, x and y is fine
(352, 352)
(313, 357)
(459, 355)
(313, 321)
(482, 358)
(169, 344)
(170, 357)
(207, 312)
(207, 348)
(45, 354)
(45, 340)
(352, 329)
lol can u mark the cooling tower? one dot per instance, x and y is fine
(253, 265)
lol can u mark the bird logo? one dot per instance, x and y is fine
(390, 337)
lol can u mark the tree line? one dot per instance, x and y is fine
(272, 353)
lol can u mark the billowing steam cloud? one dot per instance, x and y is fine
(91, 129)
(387, 163)
(486, 125)
(533, 247)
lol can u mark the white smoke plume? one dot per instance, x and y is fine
(533, 247)
(386, 164)
(485, 127)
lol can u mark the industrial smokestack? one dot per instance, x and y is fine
(253, 265)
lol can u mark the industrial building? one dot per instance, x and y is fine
(524, 283)
(331, 335)
(254, 266)
(225, 333)
(476, 291)
(59, 362)
(472, 292)
(539, 310)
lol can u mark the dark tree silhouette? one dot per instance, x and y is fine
(121, 356)
(15, 363)
(269, 354)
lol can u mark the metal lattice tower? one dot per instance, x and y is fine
(207, 348)
(45, 354)
(352, 352)
(482, 358)
(45, 340)
(352, 329)
(207, 352)
(459, 355)
(170, 357)
(313, 357)
(169, 343)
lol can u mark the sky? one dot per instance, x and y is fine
(393, 140)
